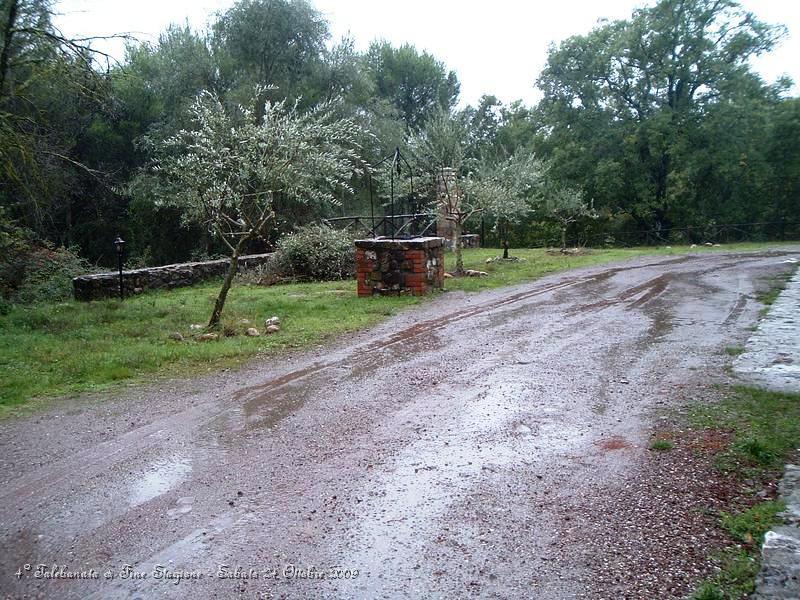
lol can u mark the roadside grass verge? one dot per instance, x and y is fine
(51, 350)
(538, 262)
(58, 349)
(762, 430)
(775, 285)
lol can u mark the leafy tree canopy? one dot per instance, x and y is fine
(417, 84)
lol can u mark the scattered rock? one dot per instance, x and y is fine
(510, 259)
(209, 337)
(448, 275)
(273, 328)
(272, 321)
(252, 332)
(568, 251)
(473, 273)
(245, 322)
(195, 326)
(708, 244)
(176, 336)
(693, 246)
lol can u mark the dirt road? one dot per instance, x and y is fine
(471, 447)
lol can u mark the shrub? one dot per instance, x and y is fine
(15, 244)
(48, 275)
(33, 271)
(312, 253)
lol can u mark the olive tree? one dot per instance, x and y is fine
(565, 206)
(466, 186)
(508, 190)
(229, 170)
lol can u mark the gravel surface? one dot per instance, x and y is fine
(491, 445)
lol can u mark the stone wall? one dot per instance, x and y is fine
(399, 267)
(106, 285)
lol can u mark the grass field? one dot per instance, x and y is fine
(52, 350)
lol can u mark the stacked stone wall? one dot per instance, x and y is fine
(106, 285)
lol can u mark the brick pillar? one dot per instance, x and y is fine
(399, 267)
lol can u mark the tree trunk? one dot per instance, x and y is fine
(563, 239)
(226, 285)
(8, 33)
(68, 225)
(505, 249)
(457, 248)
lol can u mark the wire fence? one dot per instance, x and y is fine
(578, 235)
(722, 233)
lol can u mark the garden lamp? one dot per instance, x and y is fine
(119, 243)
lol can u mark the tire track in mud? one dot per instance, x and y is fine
(437, 477)
(736, 310)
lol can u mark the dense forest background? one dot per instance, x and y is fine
(657, 121)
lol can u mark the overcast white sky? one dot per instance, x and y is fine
(495, 47)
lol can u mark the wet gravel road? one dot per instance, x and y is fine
(431, 456)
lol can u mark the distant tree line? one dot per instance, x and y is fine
(653, 128)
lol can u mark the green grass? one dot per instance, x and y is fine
(735, 579)
(765, 429)
(661, 445)
(51, 350)
(750, 525)
(776, 285)
(58, 349)
(734, 350)
(738, 565)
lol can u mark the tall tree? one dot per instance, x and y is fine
(41, 165)
(783, 153)
(417, 84)
(622, 100)
(276, 43)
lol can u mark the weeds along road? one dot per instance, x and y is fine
(432, 456)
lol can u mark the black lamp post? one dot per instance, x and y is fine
(120, 245)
